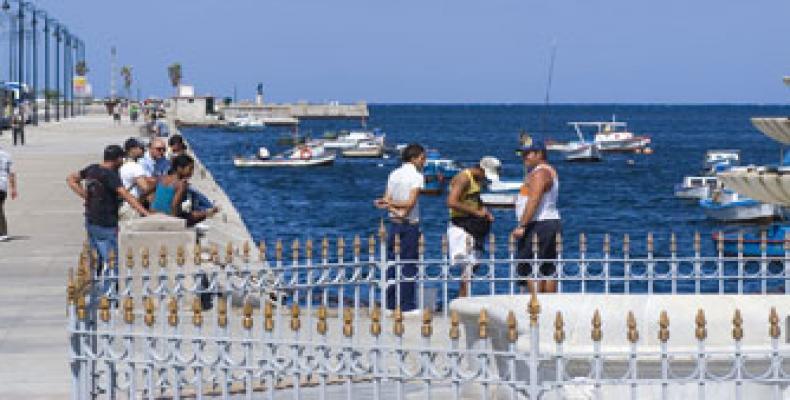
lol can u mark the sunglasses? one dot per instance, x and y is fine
(160, 148)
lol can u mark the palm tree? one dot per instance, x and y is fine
(81, 68)
(174, 72)
(126, 73)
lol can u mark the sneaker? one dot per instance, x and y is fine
(3, 238)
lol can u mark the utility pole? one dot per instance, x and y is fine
(46, 69)
(34, 55)
(112, 73)
(57, 72)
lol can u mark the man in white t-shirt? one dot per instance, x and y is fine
(401, 200)
(7, 187)
(133, 176)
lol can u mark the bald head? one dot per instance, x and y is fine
(157, 148)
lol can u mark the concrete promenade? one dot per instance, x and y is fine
(46, 225)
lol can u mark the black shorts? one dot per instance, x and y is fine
(546, 231)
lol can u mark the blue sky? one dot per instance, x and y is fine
(608, 51)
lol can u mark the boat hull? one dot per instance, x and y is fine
(499, 200)
(283, 162)
(739, 211)
(363, 153)
(624, 145)
(692, 193)
(585, 153)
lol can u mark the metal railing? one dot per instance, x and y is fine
(314, 325)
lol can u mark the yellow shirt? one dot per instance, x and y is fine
(470, 197)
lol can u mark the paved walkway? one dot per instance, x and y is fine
(46, 224)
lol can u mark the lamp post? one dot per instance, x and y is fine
(66, 67)
(58, 38)
(33, 23)
(47, 21)
(21, 49)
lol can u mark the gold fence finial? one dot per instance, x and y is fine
(214, 253)
(371, 245)
(172, 312)
(357, 246)
(129, 258)
(421, 244)
(606, 243)
(491, 243)
(558, 239)
(512, 327)
(740, 241)
(128, 310)
(511, 243)
(375, 321)
(348, 323)
(737, 325)
(268, 315)
(396, 245)
(720, 242)
(104, 309)
(321, 326)
(111, 258)
(445, 244)
(278, 250)
(700, 332)
(197, 312)
(245, 251)
(181, 258)
(325, 248)
(382, 231)
(626, 243)
(773, 319)
(341, 248)
(197, 254)
(163, 256)
(697, 242)
(533, 308)
(582, 242)
(94, 258)
(222, 313)
(633, 333)
(148, 304)
(308, 248)
(262, 251)
(296, 323)
(427, 323)
(229, 253)
(81, 312)
(535, 244)
(559, 328)
(482, 322)
(650, 242)
(295, 250)
(71, 290)
(246, 321)
(597, 333)
(455, 322)
(397, 327)
(663, 327)
(673, 242)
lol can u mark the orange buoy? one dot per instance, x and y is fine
(647, 150)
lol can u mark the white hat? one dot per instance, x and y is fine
(490, 166)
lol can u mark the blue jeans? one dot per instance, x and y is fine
(102, 239)
(199, 201)
(409, 239)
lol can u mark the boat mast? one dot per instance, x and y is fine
(548, 85)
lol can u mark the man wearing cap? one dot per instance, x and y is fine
(538, 218)
(468, 216)
(103, 192)
(133, 177)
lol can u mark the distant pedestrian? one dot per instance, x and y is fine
(177, 146)
(469, 219)
(154, 161)
(116, 113)
(18, 126)
(7, 186)
(401, 199)
(134, 112)
(103, 193)
(538, 217)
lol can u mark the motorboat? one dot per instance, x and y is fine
(299, 156)
(696, 187)
(499, 200)
(364, 149)
(498, 193)
(720, 160)
(776, 238)
(614, 136)
(581, 150)
(352, 139)
(728, 205)
(246, 122)
(438, 172)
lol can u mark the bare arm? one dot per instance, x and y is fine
(181, 188)
(132, 201)
(12, 184)
(74, 182)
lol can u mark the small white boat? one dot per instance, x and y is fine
(581, 150)
(719, 160)
(727, 205)
(499, 200)
(499, 193)
(614, 136)
(300, 156)
(352, 139)
(696, 187)
(246, 122)
(364, 149)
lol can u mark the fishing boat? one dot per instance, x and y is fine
(727, 205)
(614, 136)
(581, 150)
(720, 160)
(246, 122)
(364, 149)
(299, 156)
(352, 139)
(776, 238)
(696, 187)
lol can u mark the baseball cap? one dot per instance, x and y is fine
(528, 144)
(132, 143)
(490, 166)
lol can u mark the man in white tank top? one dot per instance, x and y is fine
(537, 217)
